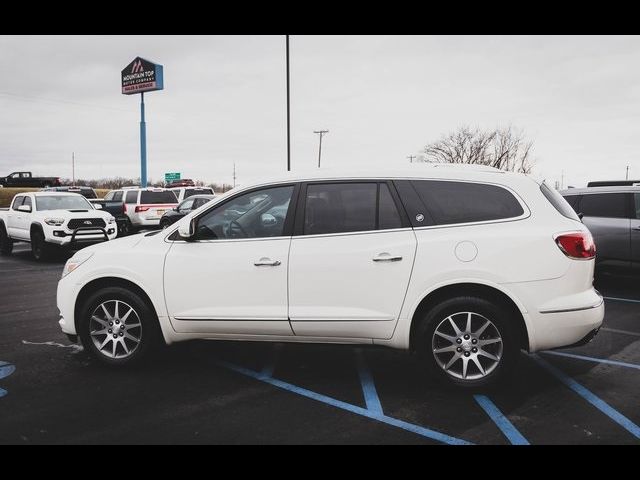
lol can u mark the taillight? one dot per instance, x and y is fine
(140, 208)
(577, 245)
(124, 208)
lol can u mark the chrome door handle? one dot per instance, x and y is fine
(385, 257)
(266, 262)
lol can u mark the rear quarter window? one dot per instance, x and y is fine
(451, 202)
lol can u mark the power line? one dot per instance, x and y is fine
(321, 133)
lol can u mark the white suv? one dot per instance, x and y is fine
(465, 267)
(185, 192)
(145, 206)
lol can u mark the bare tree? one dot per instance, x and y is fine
(503, 148)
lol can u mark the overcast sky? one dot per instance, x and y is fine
(382, 98)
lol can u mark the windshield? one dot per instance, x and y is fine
(197, 191)
(62, 202)
(164, 196)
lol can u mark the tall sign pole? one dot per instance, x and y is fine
(143, 144)
(288, 111)
(138, 77)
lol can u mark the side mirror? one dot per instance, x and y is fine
(24, 208)
(187, 231)
(97, 206)
(268, 220)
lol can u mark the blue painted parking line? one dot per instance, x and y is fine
(502, 422)
(623, 332)
(267, 371)
(368, 386)
(6, 369)
(593, 359)
(425, 432)
(590, 397)
(619, 299)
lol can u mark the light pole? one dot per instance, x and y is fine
(411, 157)
(321, 133)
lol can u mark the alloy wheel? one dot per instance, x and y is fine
(115, 329)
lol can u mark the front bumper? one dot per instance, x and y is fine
(82, 236)
(65, 298)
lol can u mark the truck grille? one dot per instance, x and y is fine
(85, 223)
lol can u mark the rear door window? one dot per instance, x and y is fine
(388, 215)
(451, 202)
(608, 205)
(132, 197)
(117, 197)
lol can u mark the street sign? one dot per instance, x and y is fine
(141, 76)
(171, 176)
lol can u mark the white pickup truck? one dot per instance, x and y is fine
(49, 219)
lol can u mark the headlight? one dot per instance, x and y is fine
(111, 220)
(74, 262)
(54, 222)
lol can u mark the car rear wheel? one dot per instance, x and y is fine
(468, 342)
(117, 327)
(6, 243)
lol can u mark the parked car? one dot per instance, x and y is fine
(53, 219)
(145, 206)
(113, 202)
(184, 182)
(612, 214)
(87, 192)
(465, 267)
(26, 179)
(186, 206)
(185, 192)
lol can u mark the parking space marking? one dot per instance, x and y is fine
(6, 369)
(624, 332)
(590, 397)
(368, 385)
(501, 421)
(425, 432)
(76, 348)
(270, 366)
(618, 299)
(594, 359)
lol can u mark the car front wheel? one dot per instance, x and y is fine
(468, 342)
(117, 327)
(40, 249)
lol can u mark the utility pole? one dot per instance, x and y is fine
(288, 112)
(234, 174)
(73, 168)
(321, 133)
(562, 180)
(627, 177)
(411, 157)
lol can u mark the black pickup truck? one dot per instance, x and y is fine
(115, 206)
(26, 179)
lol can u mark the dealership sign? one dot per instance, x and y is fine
(141, 76)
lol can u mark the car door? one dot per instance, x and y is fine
(14, 216)
(231, 276)
(350, 261)
(635, 233)
(23, 224)
(607, 216)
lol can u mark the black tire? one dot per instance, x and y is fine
(6, 243)
(149, 334)
(508, 350)
(124, 228)
(164, 224)
(40, 249)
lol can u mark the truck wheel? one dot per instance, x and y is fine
(468, 341)
(6, 243)
(40, 249)
(124, 228)
(117, 327)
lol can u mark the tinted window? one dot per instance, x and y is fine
(637, 205)
(27, 201)
(611, 205)
(109, 196)
(388, 216)
(17, 202)
(462, 202)
(164, 196)
(132, 197)
(117, 197)
(196, 191)
(558, 202)
(199, 202)
(340, 207)
(253, 215)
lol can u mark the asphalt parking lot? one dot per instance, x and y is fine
(225, 392)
